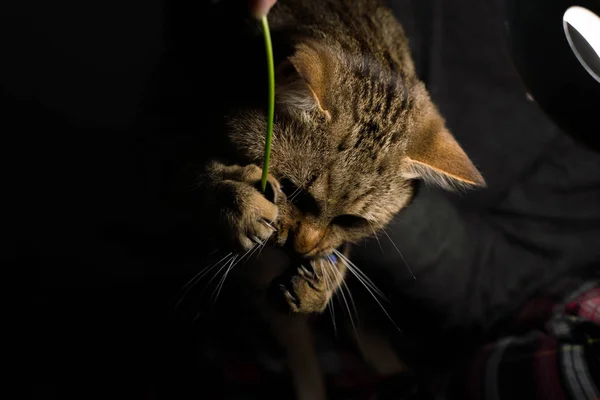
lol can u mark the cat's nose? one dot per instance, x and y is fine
(306, 238)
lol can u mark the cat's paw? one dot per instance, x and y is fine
(248, 216)
(307, 289)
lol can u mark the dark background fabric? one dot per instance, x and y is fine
(99, 267)
(539, 215)
(477, 256)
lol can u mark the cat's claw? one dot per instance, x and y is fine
(305, 273)
(248, 215)
(269, 224)
(292, 301)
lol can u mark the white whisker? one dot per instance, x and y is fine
(246, 255)
(215, 251)
(298, 190)
(192, 282)
(204, 271)
(229, 262)
(376, 237)
(399, 252)
(330, 304)
(333, 268)
(365, 280)
(354, 272)
(294, 194)
(222, 281)
(351, 300)
(233, 263)
(262, 244)
(217, 274)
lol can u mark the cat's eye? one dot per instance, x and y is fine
(350, 221)
(303, 200)
(288, 187)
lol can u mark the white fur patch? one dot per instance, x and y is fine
(297, 98)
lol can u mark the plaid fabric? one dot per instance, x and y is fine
(346, 375)
(555, 357)
(559, 361)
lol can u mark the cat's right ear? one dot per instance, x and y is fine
(301, 81)
(435, 156)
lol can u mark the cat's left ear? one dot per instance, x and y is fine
(302, 80)
(435, 156)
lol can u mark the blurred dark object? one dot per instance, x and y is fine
(558, 80)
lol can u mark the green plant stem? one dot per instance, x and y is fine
(271, 104)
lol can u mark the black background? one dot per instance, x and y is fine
(100, 99)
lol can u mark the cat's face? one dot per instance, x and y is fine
(350, 137)
(338, 187)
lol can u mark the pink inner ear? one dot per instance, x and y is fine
(295, 91)
(313, 63)
(417, 170)
(438, 158)
(319, 106)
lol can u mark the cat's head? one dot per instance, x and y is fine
(351, 135)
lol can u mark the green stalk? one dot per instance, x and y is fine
(271, 107)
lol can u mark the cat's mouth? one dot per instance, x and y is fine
(333, 254)
(331, 258)
(329, 255)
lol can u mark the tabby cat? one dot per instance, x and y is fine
(354, 128)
